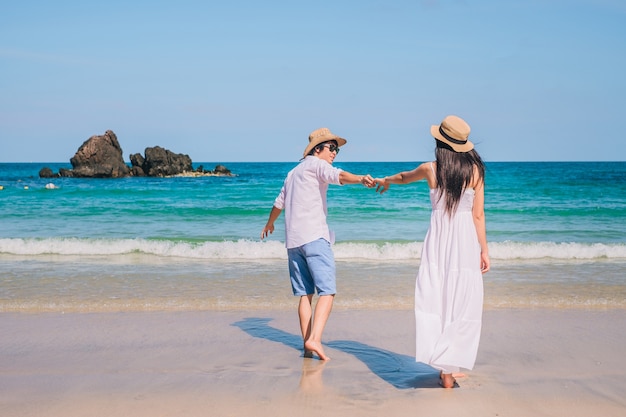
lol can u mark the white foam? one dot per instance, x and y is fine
(567, 250)
(273, 249)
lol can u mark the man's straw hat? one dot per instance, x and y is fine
(320, 136)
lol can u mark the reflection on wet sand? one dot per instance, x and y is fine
(311, 381)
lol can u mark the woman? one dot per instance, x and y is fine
(449, 287)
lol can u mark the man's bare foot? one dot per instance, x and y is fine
(316, 348)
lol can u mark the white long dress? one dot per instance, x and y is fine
(449, 289)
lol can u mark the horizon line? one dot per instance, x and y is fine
(348, 161)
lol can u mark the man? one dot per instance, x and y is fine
(307, 237)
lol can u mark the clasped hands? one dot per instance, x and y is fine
(381, 184)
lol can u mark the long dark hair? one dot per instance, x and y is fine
(455, 172)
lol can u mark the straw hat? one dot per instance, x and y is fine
(320, 136)
(453, 131)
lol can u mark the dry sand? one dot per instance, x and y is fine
(236, 363)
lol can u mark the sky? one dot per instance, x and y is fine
(247, 81)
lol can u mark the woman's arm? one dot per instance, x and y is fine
(405, 177)
(478, 212)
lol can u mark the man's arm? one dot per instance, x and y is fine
(346, 177)
(269, 226)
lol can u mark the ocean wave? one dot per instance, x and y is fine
(256, 250)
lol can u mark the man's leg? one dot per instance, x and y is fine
(321, 265)
(322, 311)
(305, 314)
(302, 286)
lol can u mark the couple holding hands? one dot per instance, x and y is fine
(449, 286)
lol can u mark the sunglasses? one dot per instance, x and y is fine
(331, 147)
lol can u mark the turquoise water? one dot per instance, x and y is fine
(530, 203)
(571, 214)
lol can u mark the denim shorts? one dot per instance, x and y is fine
(311, 268)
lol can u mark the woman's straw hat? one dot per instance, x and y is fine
(453, 131)
(320, 136)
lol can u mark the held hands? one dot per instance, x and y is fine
(382, 185)
(367, 181)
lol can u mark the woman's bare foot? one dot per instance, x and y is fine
(455, 375)
(448, 381)
(315, 347)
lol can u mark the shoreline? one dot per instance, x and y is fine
(136, 282)
(547, 362)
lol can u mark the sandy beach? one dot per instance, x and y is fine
(240, 363)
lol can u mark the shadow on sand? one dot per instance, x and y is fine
(400, 371)
(258, 327)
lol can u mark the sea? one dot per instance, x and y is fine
(556, 232)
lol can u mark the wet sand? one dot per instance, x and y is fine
(544, 362)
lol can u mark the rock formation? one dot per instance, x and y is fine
(47, 173)
(101, 157)
(159, 162)
(221, 170)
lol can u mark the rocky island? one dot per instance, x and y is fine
(101, 156)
